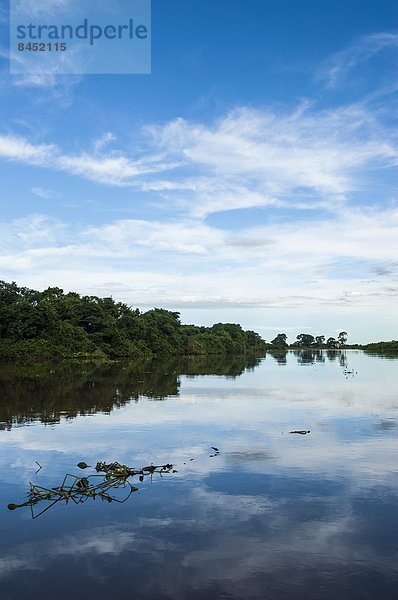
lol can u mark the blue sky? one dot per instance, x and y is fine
(250, 178)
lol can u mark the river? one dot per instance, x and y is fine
(247, 511)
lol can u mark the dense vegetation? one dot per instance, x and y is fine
(52, 324)
(382, 347)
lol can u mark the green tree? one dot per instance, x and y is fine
(342, 338)
(305, 340)
(254, 343)
(280, 340)
(162, 331)
(331, 342)
(320, 340)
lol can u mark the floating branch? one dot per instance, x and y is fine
(109, 477)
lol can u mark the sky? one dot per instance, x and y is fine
(250, 178)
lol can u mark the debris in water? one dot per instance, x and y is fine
(109, 477)
(301, 432)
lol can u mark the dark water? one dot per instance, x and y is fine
(271, 516)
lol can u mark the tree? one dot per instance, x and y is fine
(280, 340)
(305, 340)
(320, 340)
(342, 338)
(332, 342)
(254, 342)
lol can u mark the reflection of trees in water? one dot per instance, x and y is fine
(227, 366)
(46, 391)
(310, 356)
(343, 359)
(307, 356)
(279, 355)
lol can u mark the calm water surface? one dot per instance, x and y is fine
(273, 515)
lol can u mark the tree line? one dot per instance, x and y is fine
(383, 348)
(305, 340)
(54, 324)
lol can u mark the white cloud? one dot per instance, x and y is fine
(342, 64)
(191, 237)
(248, 158)
(104, 140)
(111, 169)
(280, 153)
(26, 233)
(44, 193)
(19, 149)
(348, 263)
(44, 8)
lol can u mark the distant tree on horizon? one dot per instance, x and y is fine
(280, 340)
(305, 339)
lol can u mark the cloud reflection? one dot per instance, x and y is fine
(271, 516)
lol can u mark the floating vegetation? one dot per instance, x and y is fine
(349, 373)
(301, 431)
(103, 485)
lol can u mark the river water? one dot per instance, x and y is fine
(268, 515)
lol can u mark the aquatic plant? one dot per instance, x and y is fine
(108, 478)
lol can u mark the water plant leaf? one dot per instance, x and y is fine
(82, 465)
(82, 484)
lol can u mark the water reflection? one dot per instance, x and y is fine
(269, 515)
(47, 392)
(309, 356)
(279, 355)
